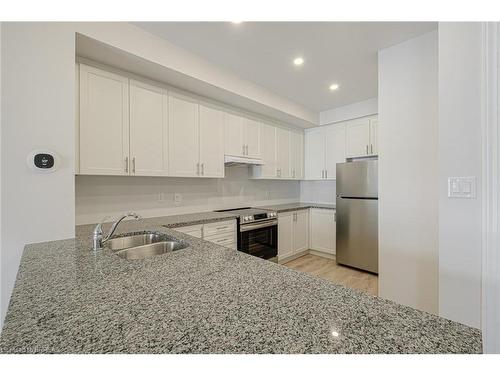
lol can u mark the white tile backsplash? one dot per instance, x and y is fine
(99, 196)
(318, 191)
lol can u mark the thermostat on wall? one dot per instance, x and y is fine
(43, 161)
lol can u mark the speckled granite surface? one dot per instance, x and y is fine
(203, 299)
(192, 219)
(297, 206)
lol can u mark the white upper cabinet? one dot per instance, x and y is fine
(211, 142)
(374, 135)
(183, 136)
(283, 152)
(268, 153)
(358, 138)
(104, 122)
(325, 147)
(361, 137)
(296, 155)
(148, 130)
(335, 149)
(129, 127)
(242, 136)
(233, 134)
(251, 136)
(315, 154)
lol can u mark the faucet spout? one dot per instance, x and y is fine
(98, 237)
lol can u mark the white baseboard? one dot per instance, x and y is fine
(288, 258)
(322, 254)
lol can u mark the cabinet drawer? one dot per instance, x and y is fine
(219, 227)
(219, 236)
(224, 241)
(192, 230)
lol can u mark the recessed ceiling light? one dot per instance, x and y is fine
(334, 86)
(236, 22)
(298, 61)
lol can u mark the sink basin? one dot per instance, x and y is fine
(150, 250)
(143, 245)
(125, 242)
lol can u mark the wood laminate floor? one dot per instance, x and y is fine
(328, 269)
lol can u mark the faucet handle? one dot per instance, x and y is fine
(134, 215)
(98, 227)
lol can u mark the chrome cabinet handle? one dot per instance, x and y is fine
(246, 150)
(126, 164)
(203, 169)
(367, 150)
(243, 149)
(326, 173)
(198, 169)
(371, 149)
(322, 173)
(133, 165)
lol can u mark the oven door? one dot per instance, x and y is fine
(259, 239)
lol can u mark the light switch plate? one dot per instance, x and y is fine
(462, 187)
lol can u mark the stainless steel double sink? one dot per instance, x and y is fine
(143, 245)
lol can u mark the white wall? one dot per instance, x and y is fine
(37, 111)
(460, 105)
(408, 173)
(38, 88)
(98, 196)
(348, 112)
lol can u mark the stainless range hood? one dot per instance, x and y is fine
(238, 160)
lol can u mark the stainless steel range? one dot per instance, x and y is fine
(257, 232)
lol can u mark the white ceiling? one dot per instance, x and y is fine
(262, 52)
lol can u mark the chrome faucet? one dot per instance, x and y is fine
(99, 239)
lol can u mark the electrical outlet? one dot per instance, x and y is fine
(177, 199)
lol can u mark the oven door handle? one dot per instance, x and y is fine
(248, 227)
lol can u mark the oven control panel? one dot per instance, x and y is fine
(258, 217)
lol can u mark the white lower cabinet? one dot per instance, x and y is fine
(192, 230)
(323, 230)
(221, 232)
(293, 233)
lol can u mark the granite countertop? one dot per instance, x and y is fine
(297, 206)
(203, 299)
(175, 221)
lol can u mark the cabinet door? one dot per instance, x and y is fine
(358, 138)
(104, 122)
(314, 154)
(335, 149)
(268, 151)
(233, 134)
(285, 230)
(374, 136)
(252, 139)
(211, 142)
(323, 230)
(183, 137)
(297, 155)
(148, 130)
(283, 152)
(301, 231)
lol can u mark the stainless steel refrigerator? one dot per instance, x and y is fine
(357, 214)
